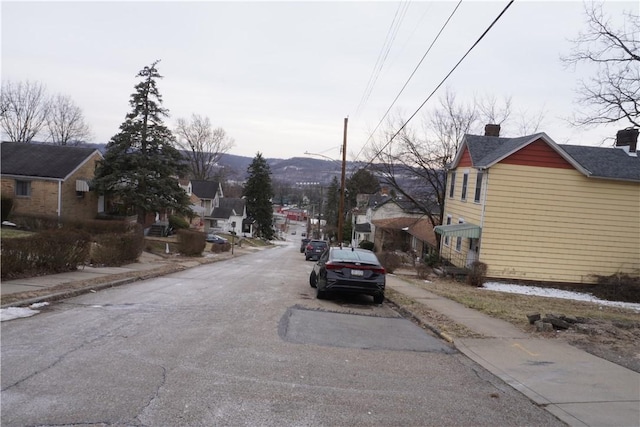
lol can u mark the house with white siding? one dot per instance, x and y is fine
(532, 209)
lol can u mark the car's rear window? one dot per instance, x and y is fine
(347, 255)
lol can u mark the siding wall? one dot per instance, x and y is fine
(555, 224)
(468, 210)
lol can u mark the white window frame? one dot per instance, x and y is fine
(446, 238)
(459, 239)
(477, 197)
(452, 186)
(465, 185)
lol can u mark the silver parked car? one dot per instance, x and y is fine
(349, 270)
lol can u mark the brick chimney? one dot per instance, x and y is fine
(627, 138)
(492, 130)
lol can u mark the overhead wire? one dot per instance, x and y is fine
(410, 77)
(383, 54)
(440, 84)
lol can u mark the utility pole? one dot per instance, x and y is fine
(342, 183)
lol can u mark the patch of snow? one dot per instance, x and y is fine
(556, 293)
(11, 313)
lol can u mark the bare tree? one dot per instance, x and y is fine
(492, 111)
(65, 122)
(24, 109)
(203, 145)
(613, 93)
(414, 165)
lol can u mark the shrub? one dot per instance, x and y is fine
(36, 222)
(431, 259)
(6, 207)
(422, 270)
(477, 274)
(47, 252)
(178, 223)
(114, 249)
(217, 247)
(390, 261)
(191, 243)
(366, 244)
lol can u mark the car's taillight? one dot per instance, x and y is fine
(309, 247)
(379, 270)
(330, 266)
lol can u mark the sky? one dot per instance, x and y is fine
(281, 77)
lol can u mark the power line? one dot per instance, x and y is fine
(441, 83)
(410, 77)
(383, 54)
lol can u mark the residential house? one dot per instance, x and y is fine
(50, 179)
(391, 223)
(532, 209)
(208, 195)
(230, 214)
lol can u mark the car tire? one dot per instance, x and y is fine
(378, 298)
(306, 258)
(313, 279)
(320, 294)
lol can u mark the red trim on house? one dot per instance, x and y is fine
(539, 154)
(465, 160)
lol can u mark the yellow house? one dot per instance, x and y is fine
(535, 210)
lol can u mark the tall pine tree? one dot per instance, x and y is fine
(141, 166)
(258, 192)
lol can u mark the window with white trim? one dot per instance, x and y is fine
(465, 181)
(478, 194)
(446, 238)
(452, 185)
(459, 239)
(23, 188)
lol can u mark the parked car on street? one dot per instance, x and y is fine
(349, 270)
(214, 238)
(303, 244)
(314, 249)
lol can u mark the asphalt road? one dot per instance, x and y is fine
(241, 342)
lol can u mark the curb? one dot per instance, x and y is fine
(412, 316)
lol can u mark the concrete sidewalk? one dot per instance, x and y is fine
(578, 388)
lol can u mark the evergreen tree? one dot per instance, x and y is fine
(258, 192)
(141, 166)
(361, 182)
(332, 207)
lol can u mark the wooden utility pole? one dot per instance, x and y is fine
(342, 183)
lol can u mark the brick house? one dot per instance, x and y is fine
(50, 179)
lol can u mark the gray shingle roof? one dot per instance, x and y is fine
(204, 189)
(228, 206)
(602, 162)
(41, 160)
(597, 162)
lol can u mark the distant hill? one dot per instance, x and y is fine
(295, 170)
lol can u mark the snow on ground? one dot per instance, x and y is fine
(11, 313)
(556, 293)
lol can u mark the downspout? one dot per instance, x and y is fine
(484, 207)
(484, 197)
(59, 199)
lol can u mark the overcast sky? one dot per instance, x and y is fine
(280, 77)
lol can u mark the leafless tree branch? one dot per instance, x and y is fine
(612, 94)
(203, 145)
(24, 109)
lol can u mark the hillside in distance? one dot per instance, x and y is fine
(292, 171)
